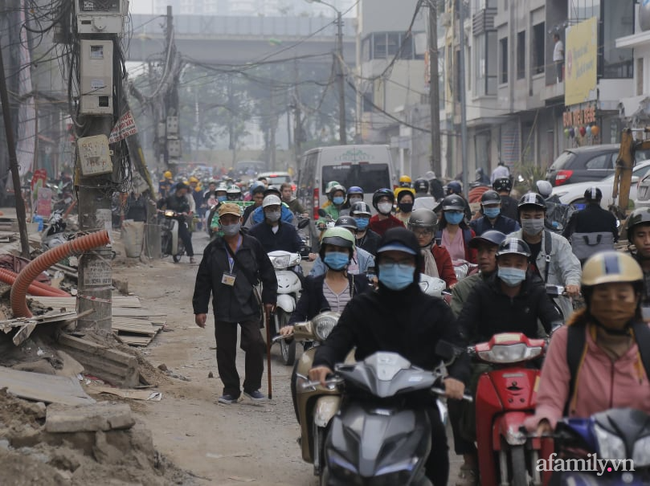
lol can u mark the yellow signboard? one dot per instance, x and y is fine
(581, 62)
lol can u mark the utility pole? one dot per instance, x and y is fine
(172, 136)
(343, 139)
(463, 95)
(297, 122)
(273, 128)
(434, 91)
(13, 162)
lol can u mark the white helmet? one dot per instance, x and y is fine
(271, 200)
(544, 188)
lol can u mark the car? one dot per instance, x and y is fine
(642, 199)
(275, 178)
(574, 194)
(585, 164)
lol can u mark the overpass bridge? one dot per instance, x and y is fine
(240, 40)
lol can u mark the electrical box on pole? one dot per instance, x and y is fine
(96, 67)
(101, 16)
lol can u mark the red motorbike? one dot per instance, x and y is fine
(505, 397)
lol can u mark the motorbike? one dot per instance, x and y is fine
(620, 436)
(54, 231)
(432, 285)
(381, 435)
(171, 244)
(463, 268)
(505, 397)
(289, 287)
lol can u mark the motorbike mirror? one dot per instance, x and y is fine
(447, 351)
(322, 213)
(304, 223)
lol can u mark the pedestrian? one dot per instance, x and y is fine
(137, 205)
(558, 56)
(500, 172)
(232, 267)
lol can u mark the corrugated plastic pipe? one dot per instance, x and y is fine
(45, 261)
(36, 288)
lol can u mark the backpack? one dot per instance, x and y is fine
(576, 347)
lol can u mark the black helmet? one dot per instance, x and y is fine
(272, 190)
(532, 199)
(453, 202)
(454, 187)
(421, 185)
(490, 197)
(593, 194)
(638, 217)
(360, 208)
(503, 184)
(513, 246)
(422, 218)
(347, 222)
(492, 237)
(379, 193)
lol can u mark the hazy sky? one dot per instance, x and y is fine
(141, 7)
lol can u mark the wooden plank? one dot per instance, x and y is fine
(140, 341)
(119, 301)
(134, 326)
(120, 312)
(147, 395)
(44, 388)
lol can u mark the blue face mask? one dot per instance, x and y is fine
(396, 276)
(362, 223)
(336, 260)
(338, 200)
(492, 213)
(511, 276)
(453, 218)
(222, 198)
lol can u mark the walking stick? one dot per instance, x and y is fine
(268, 353)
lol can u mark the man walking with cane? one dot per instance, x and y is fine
(230, 270)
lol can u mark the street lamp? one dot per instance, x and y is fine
(340, 73)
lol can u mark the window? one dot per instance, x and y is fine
(521, 55)
(387, 45)
(617, 21)
(380, 46)
(539, 37)
(484, 65)
(603, 161)
(393, 44)
(369, 176)
(503, 76)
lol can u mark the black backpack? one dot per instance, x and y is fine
(576, 347)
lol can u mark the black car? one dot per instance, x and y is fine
(584, 164)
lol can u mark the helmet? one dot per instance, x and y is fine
(422, 218)
(421, 185)
(272, 190)
(337, 237)
(401, 191)
(405, 181)
(454, 187)
(638, 217)
(492, 237)
(503, 184)
(271, 200)
(167, 174)
(257, 188)
(593, 194)
(180, 186)
(333, 189)
(222, 188)
(453, 202)
(193, 179)
(532, 199)
(347, 222)
(329, 186)
(360, 208)
(544, 188)
(490, 197)
(355, 190)
(379, 193)
(610, 266)
(234, 189)
(513, 246)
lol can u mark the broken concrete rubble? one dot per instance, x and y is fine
(102, 416)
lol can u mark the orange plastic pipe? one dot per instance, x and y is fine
(9, 277)
(45, 261)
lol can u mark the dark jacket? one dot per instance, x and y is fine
(592, 219)
(369, 242)
(286, 238)
(509, 208)
(312, 300)
(407, 322)
(234, 303)
(502, 223)
(178, 204)
(137, 208)
(488, 311)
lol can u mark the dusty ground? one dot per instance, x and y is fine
(221, 444)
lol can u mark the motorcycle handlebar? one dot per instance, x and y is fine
(442, 393)
(330, 383)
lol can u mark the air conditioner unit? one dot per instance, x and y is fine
(101, 16)
(96, 68)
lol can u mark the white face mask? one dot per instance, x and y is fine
(385, 207)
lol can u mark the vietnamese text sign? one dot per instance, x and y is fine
(581, 62)
(125, 128)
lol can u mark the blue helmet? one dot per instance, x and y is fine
(355, 190)
(454, 187)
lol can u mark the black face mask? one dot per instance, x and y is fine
(405, 207)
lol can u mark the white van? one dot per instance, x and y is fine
(367, 166)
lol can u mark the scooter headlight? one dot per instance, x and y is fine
(610, 446)
(511, 353)
(324, 323)
(169, 213)
(641, 453)
(281, 262)
(400, 473)
(343, 470)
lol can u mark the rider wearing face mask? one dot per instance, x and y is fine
(552, 257)
(336, 199)
(273, 233)
(366, 238)
(609, 340)
(638, 236)
(453, 232)
(354, 196)
(400, 318)
(405, 198)
(286, 216)
(492, 218)
(382, 201)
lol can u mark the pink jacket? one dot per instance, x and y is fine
(601, 384)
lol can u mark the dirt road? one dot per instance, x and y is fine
(222, 444)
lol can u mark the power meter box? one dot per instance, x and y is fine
(94, 155)
(101, 16)
(96, 66)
